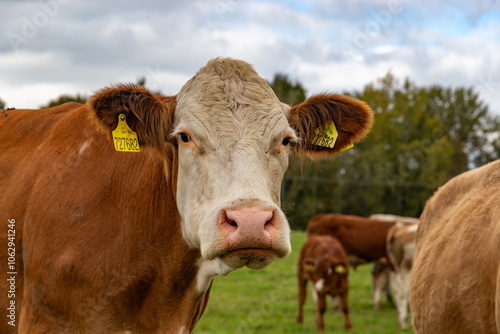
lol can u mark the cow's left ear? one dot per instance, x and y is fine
(318, 118)
(148, 115)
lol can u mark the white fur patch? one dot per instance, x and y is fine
(413, 228)
(208, 269)
(315, 295)
(84, 147)
(319, 285)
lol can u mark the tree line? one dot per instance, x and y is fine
(422, 137)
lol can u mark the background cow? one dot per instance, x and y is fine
(401, 248)
(108, 241)
(364, 240)
(323, 261)
(455, 284)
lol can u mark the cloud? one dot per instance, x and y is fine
(77, 46)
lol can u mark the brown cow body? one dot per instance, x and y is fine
(382, 275)
(323, 261)
(109, 242)
(455, 283)
(363, 239)
(94, 250)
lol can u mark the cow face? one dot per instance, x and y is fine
(232, 139)
(326, 273)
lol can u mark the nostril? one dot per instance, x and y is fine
(228, 220)
(248, 219)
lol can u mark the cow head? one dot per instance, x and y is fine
(231, 140)
(327, 273)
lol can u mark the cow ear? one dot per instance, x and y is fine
(148, 115)
(340, 268)
(319, 116)
(309, 264)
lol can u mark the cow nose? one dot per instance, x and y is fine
(251, 235)
(249, 217)
(249, 226)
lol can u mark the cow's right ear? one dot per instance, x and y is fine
(150, 116)
(320, 116)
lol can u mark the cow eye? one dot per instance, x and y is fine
(185, 137)
(286, 141)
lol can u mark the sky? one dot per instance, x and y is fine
(54, 47)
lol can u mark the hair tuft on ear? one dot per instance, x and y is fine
(148, 115)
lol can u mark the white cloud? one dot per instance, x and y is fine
(324, 44)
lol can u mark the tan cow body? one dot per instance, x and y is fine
(115, 242)
(455, 283)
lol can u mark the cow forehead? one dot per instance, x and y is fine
(229, 96)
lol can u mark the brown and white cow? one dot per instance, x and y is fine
(381, 269)
(323, 261)
(401, 249)
(102, 241)
(455, 283)
(364, 240)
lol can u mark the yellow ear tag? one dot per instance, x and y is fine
(347, 147)
(124, 138)
(326, 136)
(309, 266)
(340, 269)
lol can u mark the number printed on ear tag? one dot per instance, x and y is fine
(124, 138)
(326, 136)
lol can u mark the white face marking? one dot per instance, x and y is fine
(230, 129)
(319, 285)
(208, 269)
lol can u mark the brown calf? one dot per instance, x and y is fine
(323, 261)
(363, 239)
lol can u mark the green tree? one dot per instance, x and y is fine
(2, 104)
(64, 99)
(422, 137)
(287, 91)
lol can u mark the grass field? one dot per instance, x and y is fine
(265, 301)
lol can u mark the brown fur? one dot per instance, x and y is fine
(72, 238)
(320, 258)
(455, 281)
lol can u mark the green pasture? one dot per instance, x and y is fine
(265, 301)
